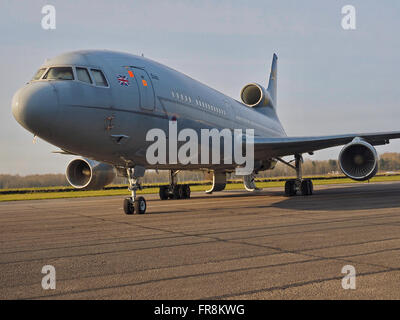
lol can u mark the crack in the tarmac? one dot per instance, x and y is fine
(205, 236)
(217, 273)
(215, 237)
(183, 234)
(363, 218)
(278, 251)
(175, 278)
(293, 285)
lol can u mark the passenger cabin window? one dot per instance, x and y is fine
(83, 75)
(39, 74)
(99, 78)
(59, 73)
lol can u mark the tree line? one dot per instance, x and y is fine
(387, 162)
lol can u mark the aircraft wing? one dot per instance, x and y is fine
(285, 146)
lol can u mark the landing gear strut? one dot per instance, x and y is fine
(174, 190)
(135, 204)
(304, 186)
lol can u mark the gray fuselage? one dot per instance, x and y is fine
(109, 124)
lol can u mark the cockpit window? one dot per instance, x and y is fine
(83, 75)
(39, 74)
(59, 73)
(99, 78)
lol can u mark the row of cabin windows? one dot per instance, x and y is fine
(199, 102)
(67, 73)
(181, 97)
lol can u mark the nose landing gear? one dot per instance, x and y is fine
(135, 204)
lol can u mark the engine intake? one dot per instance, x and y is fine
(359, 160)
(89, 174)
(254, 95)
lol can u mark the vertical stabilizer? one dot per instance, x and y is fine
(273, 78)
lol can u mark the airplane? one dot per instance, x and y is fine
(99, 104)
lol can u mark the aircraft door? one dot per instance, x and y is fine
(146, 90)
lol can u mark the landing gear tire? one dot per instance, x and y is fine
(128, 206)
(290, 188)
(140, 205)
(181, 192)
(186, 191)
(164, 192)
(306, 187)
(178, 192)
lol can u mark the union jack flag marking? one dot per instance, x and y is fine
(123, 81)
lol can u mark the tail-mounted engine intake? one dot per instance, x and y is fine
(359, 160)
(89, 174)
(254, 95)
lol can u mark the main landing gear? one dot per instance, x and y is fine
(135, 204)
(293, 186)
(174, 190)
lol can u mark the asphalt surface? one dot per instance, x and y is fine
(228, 245)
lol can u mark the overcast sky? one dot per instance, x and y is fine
(330, 80)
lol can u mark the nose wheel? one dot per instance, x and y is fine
(137, 206)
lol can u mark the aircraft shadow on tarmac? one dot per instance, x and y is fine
(334, 198)
(363, 197)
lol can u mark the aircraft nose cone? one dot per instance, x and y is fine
(35, 107)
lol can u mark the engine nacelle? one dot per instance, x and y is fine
(359, 160)
(89, 174)
(254, 95)
(264, 165)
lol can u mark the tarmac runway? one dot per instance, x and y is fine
(229, 245)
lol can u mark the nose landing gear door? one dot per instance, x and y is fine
(146, 90)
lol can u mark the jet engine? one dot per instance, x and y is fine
(264, 165)
(89, 174)
(254, 95)
(359, 160)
